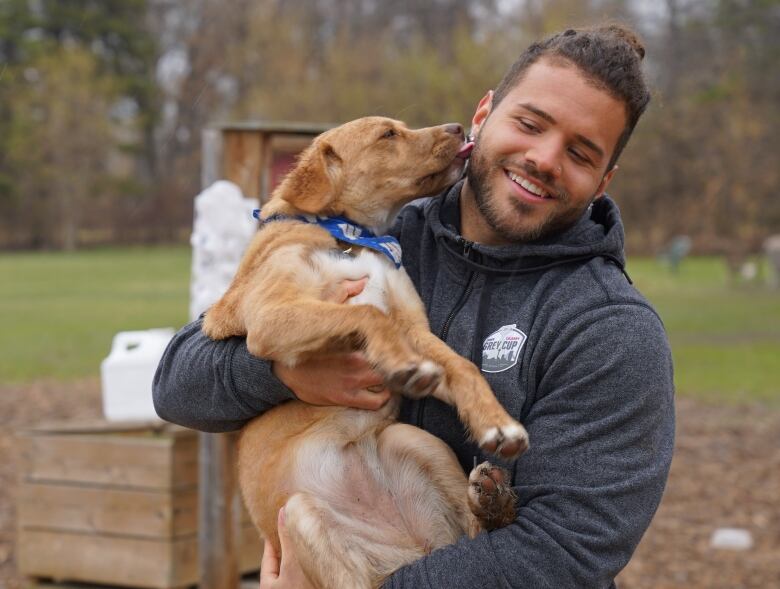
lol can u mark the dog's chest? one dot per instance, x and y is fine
(337, 267)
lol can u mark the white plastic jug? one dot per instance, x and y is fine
(128, 371)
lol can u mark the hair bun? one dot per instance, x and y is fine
(629, 36)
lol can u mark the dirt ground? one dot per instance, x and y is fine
(726, 473)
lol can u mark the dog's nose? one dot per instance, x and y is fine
(455, 129)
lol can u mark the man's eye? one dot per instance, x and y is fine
(528, 126)
(578, 156)
(389, 134)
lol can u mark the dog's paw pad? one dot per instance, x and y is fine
(491, 497)
(508, 441)
(417, 380)
(425, 380)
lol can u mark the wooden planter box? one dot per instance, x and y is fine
(114, 504)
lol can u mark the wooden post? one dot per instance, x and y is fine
(218, 527)
(243, 160)
(218, 521)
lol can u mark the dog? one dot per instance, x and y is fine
(363, 494)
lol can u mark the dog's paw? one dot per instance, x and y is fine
(491, 497)
(415, 380)
(507, 441)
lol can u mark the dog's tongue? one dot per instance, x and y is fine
(465, 151)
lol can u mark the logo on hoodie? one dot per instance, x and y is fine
(501, 349)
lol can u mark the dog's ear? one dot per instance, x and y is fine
(314, 183)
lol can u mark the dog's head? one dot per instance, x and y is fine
(368, 168)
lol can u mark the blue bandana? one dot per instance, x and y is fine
(347, 231)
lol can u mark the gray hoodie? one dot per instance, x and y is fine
(569, 347)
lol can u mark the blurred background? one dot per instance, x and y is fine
(102, 103)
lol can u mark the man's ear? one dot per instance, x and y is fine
(314, 182)
(483, 110)
(605, 182)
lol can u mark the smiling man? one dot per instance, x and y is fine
(521, 268)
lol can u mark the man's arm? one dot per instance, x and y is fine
(218, 386)
(601, 427)
(213, 386)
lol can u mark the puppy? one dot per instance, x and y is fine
(363, 495)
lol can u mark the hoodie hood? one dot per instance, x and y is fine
(598, 233)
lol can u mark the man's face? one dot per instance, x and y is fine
(541, 155)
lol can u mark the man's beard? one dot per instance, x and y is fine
(477, 173)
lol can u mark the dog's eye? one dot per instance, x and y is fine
(389, 134)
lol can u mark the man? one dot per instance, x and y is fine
(521, 270)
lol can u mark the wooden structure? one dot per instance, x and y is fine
(255, 156)
(114, 504)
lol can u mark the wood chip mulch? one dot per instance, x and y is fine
(726, 473)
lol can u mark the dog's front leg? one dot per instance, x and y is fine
(285, 333)
(463, 386)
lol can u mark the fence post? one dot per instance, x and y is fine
(218, 525)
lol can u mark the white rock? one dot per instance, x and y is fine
(222, 230)
(731, 539)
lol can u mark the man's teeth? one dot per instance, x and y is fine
(530, 187)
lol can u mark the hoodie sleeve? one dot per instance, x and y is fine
(601, 426)
(213, 386)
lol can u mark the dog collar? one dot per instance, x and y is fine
(347, 231)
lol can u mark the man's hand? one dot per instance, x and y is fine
(282, 571)
(337, 379)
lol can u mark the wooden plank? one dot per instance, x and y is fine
(265, 158)
(117, 560)
(290, 143)
(184, 461)
(211, 158)
(218, 520)
(114, 460)
(242, 160)
(98, 426)
(100, 510)
(145, 514)
(275, 127)
(104, 559)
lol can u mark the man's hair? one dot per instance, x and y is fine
(609, 56)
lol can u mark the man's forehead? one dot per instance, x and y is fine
(563, 95)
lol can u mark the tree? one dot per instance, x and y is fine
(59, 143)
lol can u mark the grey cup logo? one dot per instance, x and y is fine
(501, 349)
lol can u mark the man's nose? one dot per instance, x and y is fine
(546, 156)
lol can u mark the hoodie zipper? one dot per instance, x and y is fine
(464, 296)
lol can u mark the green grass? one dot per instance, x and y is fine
(725, 337)
(59, 312)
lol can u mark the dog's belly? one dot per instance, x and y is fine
(379, 492)
(350, 480)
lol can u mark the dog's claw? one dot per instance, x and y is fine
(508, 441)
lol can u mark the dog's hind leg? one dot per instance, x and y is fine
(327, 556)
(491, 499)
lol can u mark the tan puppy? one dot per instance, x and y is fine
(364, 495)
